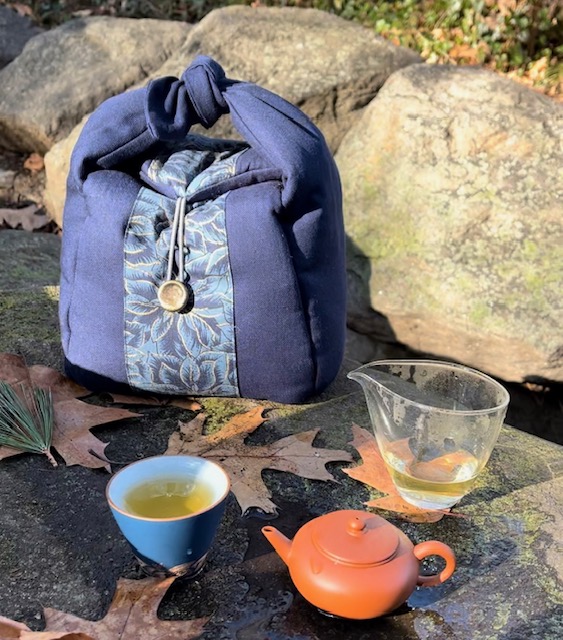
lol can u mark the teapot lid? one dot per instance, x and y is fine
(355, 537)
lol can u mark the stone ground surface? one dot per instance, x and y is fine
(61, 548)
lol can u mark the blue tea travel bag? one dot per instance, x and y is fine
(199, 266)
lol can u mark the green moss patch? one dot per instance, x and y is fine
(29, 314)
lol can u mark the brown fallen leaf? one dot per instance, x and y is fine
(183, 403)
(373, 472)
(26, 217)
(73, 418)
(131, 616)
(61, 386)
(11, 628)
(34, 162)
(245, 463)
(22, 9)
(72, 437)
(13, 369)
(466, 53)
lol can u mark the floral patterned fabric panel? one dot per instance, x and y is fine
(192, 351)
(181, 169)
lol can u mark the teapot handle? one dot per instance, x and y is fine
(435, 548)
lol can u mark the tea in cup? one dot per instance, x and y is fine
(169, 509)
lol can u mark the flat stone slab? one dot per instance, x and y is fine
(28, 261)
(62, 549)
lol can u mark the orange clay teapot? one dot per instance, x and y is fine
(355, 564)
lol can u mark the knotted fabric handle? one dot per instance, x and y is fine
(172, 106)
(134, 125)
(276, 129)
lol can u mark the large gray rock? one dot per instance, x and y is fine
(65, 73)
(15, 31)
(328, 66)
(454, 209)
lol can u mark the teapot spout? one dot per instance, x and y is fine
(281, 544)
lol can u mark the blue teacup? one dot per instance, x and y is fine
(169, 509)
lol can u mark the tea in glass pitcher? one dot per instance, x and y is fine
(435, 423)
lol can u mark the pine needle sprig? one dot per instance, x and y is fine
(27, 419)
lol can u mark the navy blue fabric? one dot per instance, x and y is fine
(274, 350)
(285, 236)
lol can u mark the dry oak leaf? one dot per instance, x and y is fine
(245, 463)
(73, 418)
(22, 9)
(26, 217)
(61, 386)
(157, 401)
(34, 162)
(11, 629)
(131, 616)
(373, 472)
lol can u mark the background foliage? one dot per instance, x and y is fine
(521, 38)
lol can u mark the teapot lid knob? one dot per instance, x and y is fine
(356, 525)
(355, 537)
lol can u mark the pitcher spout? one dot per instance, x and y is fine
(281, 544)
(381, 388)
(362, 377)
(370, 378)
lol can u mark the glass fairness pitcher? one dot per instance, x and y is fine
(436, 424)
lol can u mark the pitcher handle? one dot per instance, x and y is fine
(435, 548)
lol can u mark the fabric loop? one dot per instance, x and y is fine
(205, 81)
(173, 106)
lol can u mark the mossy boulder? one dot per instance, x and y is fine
(453, 211)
